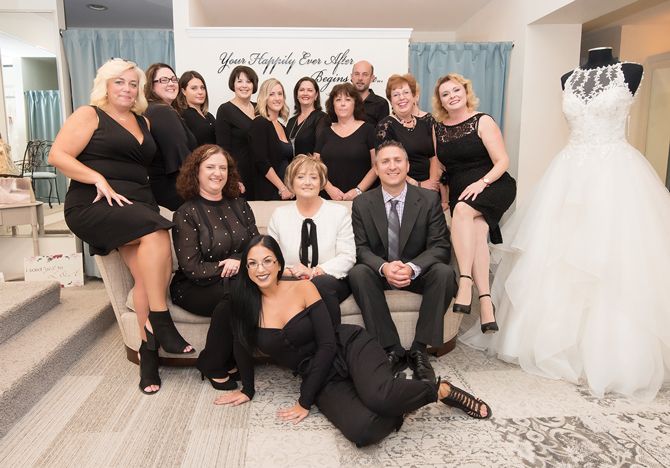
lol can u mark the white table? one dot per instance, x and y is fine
(24, 213)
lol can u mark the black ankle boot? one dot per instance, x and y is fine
(148, 368)
(166, 334)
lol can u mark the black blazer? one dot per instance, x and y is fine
(424, 235)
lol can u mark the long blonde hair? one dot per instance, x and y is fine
(114, 68)
(264, 95)
(471, 100)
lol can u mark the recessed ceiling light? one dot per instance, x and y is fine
(97, 7)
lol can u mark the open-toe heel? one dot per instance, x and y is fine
(459, 398)
(148, 368)
(463, 308)
(490, 327)
(166, 333)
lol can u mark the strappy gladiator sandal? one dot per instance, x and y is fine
(459, 398)
(165, 334)
(490, 327)
(463, 308)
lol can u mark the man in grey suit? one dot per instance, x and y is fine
(402, 242)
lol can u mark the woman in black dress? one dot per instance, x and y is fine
(347, 147)
(173, 138)
(192, 103)
(212, 228)
(470, 146)
(309, 119)
(105, 148)
(270, 148)
(233, 121)
(415, 134)
(344, 370)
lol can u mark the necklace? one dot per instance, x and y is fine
(409, 124)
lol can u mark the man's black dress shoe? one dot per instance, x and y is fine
(397, 361)
(419, 363)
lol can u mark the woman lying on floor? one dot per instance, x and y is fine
(344, 370)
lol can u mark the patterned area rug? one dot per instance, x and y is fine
(96, 416)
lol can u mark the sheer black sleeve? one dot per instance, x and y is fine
(385, 131)
(187, 245)
(322, 361)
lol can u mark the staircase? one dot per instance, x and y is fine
(43, 330)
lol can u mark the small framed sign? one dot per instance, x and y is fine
(67, 269)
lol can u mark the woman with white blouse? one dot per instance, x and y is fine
(315, 235)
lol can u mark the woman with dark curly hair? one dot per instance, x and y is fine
(212, 228)
(347, 147)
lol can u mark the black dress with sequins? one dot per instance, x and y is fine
(205, 233)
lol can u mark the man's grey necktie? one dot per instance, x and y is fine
(394, 231)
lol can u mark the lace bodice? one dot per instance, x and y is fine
(596, 103)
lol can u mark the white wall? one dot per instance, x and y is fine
(546, 38)
(214, 52)
(39, 73)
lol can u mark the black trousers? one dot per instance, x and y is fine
(216, 359)
(438, 286)
(369, 404)
(197, 299)
(333, 291)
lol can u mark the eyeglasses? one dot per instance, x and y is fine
(166, 80)
(266, 262)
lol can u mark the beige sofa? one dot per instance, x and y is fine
(404, 305)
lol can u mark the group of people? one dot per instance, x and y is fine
(148, 140)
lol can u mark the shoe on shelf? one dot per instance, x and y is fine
(397, 361)
(463, 308)
(148, 368)
(165, 333)
(490, 327)
(459, 398)
(228, 384)
(420, 364)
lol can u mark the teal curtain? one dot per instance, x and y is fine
(485, 63)
(44, 121)
(87, 49)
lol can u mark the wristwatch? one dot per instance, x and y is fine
(358, 191)
(487, 181)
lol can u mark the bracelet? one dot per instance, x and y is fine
(281, 190)
(358, 190)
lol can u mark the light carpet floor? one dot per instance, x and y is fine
(96, 416)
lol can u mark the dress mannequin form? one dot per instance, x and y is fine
(602, 56)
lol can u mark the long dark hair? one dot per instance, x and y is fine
(317, 101)
(246, 297)
(345, 89)
(180, 102)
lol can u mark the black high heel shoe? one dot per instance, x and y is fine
(463, 308)
(165, 334)
(469, 404)
(229, 384)
(148, 368)
(490, 327)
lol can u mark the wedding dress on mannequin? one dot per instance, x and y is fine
(582, 283)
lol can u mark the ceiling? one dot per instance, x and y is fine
(421, 15)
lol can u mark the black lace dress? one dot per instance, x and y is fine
(466, 160)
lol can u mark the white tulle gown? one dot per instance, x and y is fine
(582, 287)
